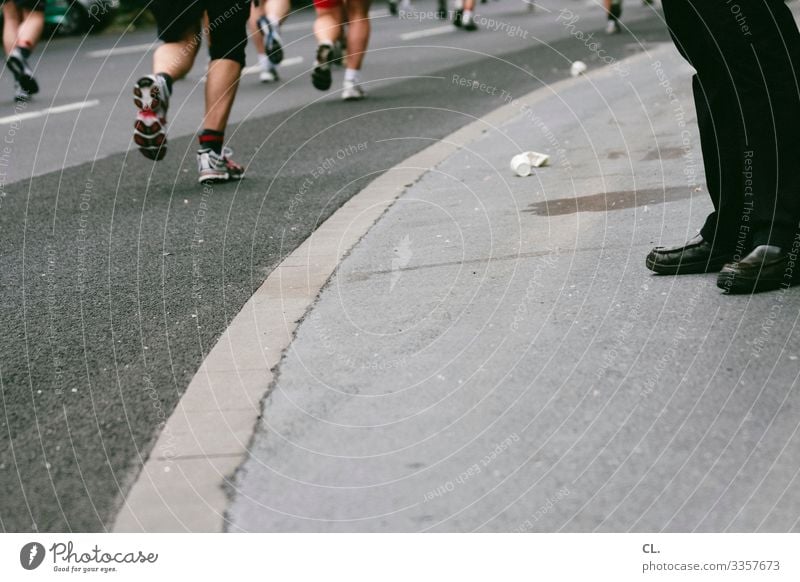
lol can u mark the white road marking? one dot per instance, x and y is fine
(253, 69)
(446, 29)
(122, 50)
(49, 111)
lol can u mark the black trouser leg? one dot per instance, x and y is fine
(721, 146)
(718, 121)
(746, 56)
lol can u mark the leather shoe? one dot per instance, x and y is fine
(766, 268)
(694, 256)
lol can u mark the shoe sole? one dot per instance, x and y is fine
(274, 51)
(25, 80)
(354, 98)
(149, 131)
(321, 77)
(219, 178)
(686, 268)
(733, 284)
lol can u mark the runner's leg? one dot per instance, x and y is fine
(21, 33)
(228, 31)
(358, 31)
(327, 28)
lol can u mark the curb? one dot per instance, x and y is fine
(182, 486)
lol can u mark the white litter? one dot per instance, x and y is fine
(522, 163)
(578, 68)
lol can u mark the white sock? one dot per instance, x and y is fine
(352, 76)
(274, 23)
(263, 61)
(467, 15)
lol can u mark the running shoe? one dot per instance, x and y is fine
(151, 97)
(321, 75)
(215, 168)
(269, 75)
(458, 17)
(352, 91)
(272, 41)
(468, 23)
(393, 7)
(20, 95)
(22, 71)
(441, 11)
(613, 27)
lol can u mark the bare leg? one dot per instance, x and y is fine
(21, 27)
(221, 85)
(176, 58)
(277, 10)
(30, 31)
(358, 30)
(327, 25)
(12, 18)
(257, 12)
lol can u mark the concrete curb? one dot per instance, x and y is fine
(182, 485)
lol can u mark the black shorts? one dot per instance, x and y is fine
(226, 30)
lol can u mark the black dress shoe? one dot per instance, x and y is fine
(695, 256)
(764, 269)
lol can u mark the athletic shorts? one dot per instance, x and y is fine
(327, 3)
(226, 30)
(32, 5)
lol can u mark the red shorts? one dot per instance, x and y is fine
(327, 3)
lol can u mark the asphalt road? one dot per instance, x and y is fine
(119, 274)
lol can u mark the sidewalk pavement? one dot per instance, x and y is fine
(494, 356)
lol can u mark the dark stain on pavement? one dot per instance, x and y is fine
(606, 201)
(663, 154)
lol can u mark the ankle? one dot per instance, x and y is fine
(352, 76)
(168, 80)
(212, 140)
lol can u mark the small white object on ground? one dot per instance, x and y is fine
(578, 68)
(538, 160)
(521, 165)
